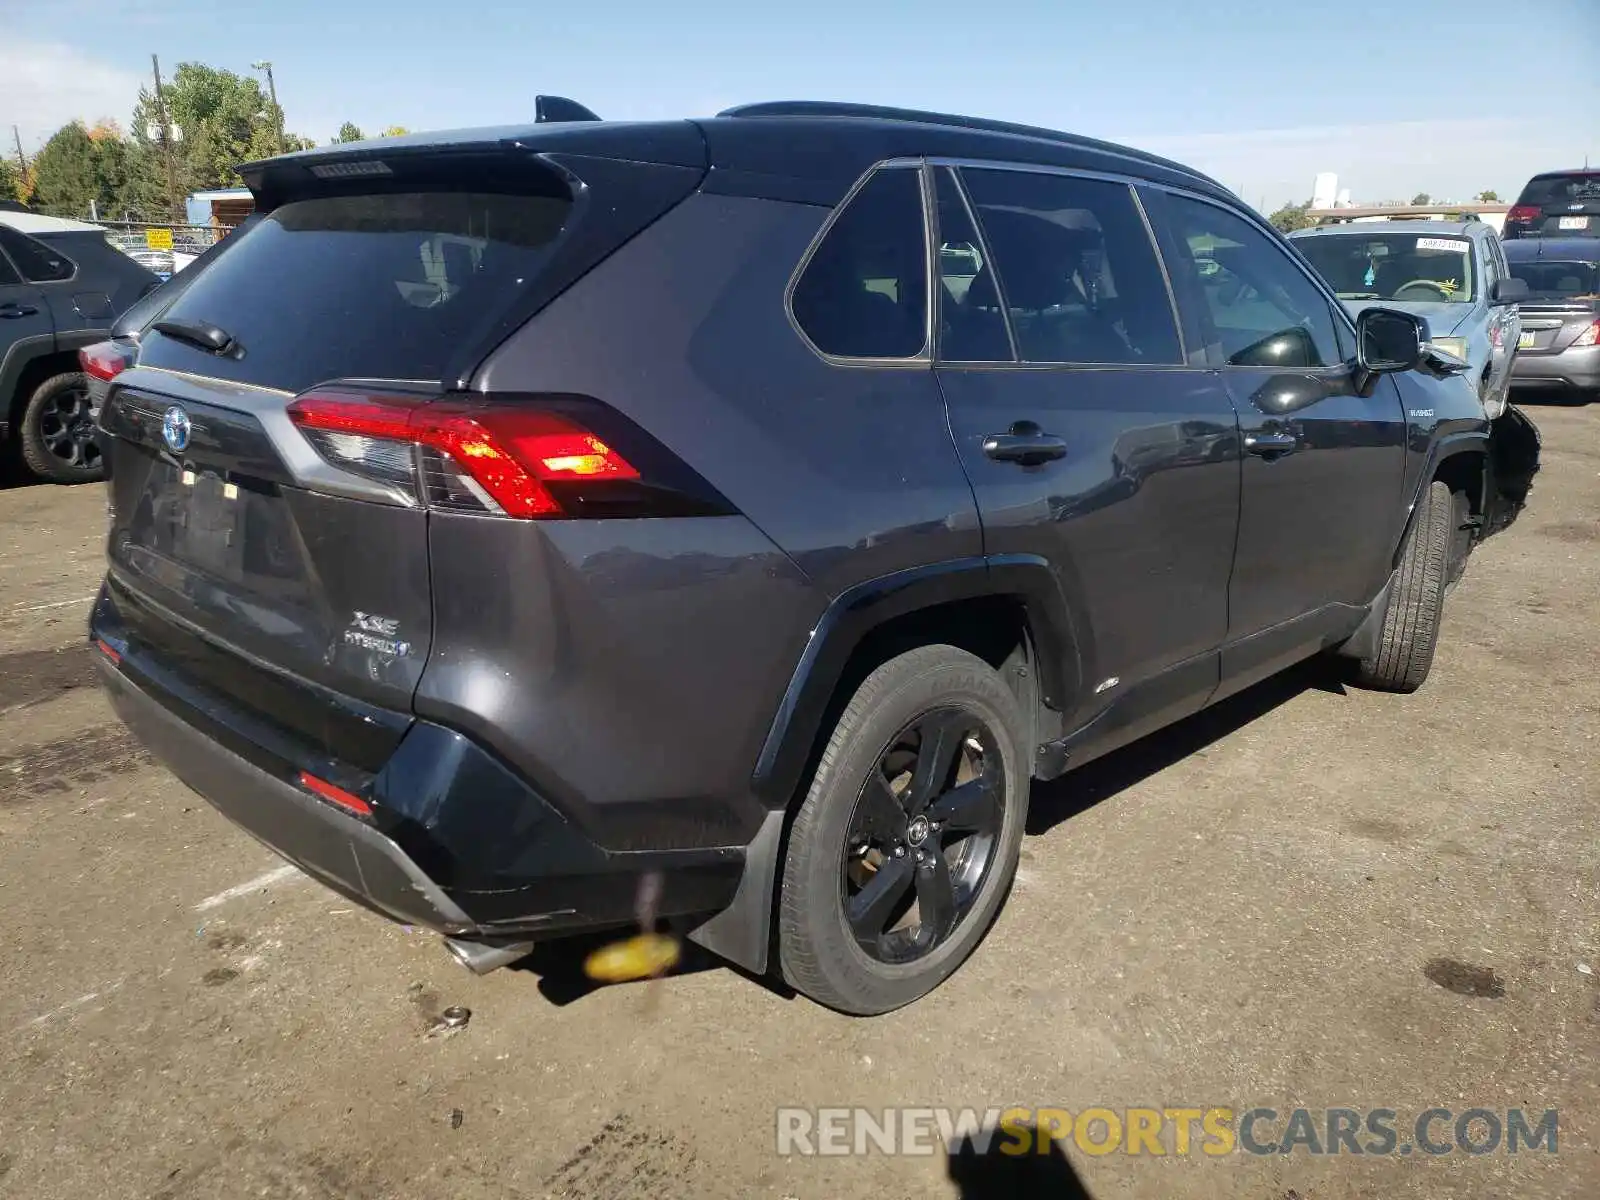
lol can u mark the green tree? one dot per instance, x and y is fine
(9, 179)
(395, 131)
(66, 174)
(349, 132)
(1291, 217)
(1422, 198)
(1488, 197)
(222, 119)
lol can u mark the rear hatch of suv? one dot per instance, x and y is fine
(268, 552)
(1557, 204)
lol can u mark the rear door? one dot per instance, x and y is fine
(1089, 437)
(1323, 467)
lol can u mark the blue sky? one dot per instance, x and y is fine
(1396, 97)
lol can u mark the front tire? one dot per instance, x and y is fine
(906, 844)
(57, 431)
(1411, 625)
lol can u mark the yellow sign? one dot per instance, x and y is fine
(158, 239)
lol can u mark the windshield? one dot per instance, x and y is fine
(1564, 279)
(1394, 266)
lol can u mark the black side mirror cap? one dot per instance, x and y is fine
(1510, 291)
(1388, 340)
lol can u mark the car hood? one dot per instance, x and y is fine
(1443, 317)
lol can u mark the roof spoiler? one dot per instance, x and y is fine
(559, 108)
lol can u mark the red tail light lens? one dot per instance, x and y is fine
(333, 794)
(1522, 213)
(104, 360)
(472, 456)
(1590, 336)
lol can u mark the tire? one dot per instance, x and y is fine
(56, 435)
(914, 696)
(1411, 626)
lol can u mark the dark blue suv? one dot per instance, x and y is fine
(742, 512)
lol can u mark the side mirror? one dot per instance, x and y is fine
(1389, 340)
(1510, 291)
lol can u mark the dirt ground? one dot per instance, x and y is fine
(1308, 897)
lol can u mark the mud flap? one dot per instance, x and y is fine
(1514, 445)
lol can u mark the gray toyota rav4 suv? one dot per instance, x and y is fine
(744, 511)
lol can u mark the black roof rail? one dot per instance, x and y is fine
(880, 112)
(558, 108)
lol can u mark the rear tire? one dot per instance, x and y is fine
(1411, 625)
(863, 806)
(56, 433)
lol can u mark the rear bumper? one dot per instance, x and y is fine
(347, 854)
(455, 842)
(1578, 368)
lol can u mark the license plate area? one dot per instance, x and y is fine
(1573, 223)
(1526, 339)
(208, 534)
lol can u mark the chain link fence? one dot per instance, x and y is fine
(164, 248)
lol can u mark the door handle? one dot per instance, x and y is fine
(11, 312)
(1025, 444)
(1271, 445)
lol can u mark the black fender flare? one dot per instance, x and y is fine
(25, 351)
(742, 932)
(1451, 445)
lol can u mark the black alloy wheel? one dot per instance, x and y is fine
(923, 835)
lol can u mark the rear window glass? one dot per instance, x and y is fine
(1547, 278)
(1576, 188)
(382, 286)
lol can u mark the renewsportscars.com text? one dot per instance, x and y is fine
(1212, 1132)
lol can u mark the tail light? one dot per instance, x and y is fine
(502, 457)
(105, 360)
(1589, 337)
(1522, 213)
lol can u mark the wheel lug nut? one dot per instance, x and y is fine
(899, 851)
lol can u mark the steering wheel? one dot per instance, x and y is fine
(1444, 292)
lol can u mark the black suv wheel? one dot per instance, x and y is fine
(58, 442)
(905, 846)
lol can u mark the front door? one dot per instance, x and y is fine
(1324, 466)
(1089, 439)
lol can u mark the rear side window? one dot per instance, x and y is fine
(1077, 269)
(1577, 187)
(864, 291)
(380, 286)
(7, 274)
(38, 262)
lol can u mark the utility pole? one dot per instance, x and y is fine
(272, 90)
(178, 213)
(22, 159)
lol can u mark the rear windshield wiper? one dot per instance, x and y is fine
(206, 336)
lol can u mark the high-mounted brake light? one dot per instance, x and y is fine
(104, 360)
(495, 458)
